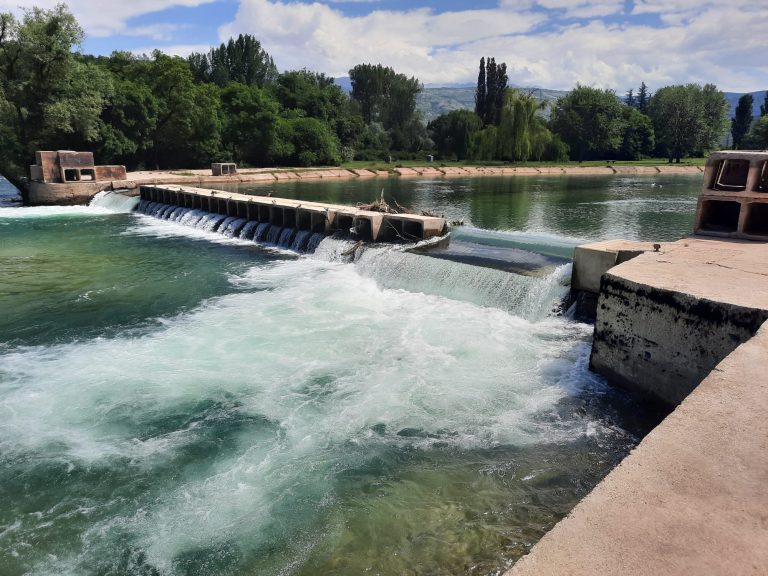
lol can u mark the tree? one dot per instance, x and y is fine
(757, 139)
(453, 133)
(742, 120)
(764, 106)
(491, 86)
(48, 97)
(643, 98)
(241, 60)
(688, 119)
(638, 137)
(589, 120)
(481, 91)
(518, 127)
(305, 142)
(714, 113)
(389, 98)
(629, 99)
(250, 118)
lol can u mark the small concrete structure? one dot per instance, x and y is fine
(223, 168)
(734, 196)
(313, 216)
(69, 166)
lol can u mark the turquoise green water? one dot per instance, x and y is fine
(174, 402)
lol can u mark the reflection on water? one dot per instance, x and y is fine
(582, 207)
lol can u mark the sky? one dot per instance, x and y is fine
(551, 44)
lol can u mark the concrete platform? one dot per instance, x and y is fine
(691, 499)
(665, 319)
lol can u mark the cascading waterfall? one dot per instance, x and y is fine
(234, 227)
(248, 229)
(394, 266)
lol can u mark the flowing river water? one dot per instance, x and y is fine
(176, 401)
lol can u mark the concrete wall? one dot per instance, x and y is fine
(690, 500)
(664, 342)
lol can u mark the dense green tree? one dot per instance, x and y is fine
(589, 120)
(638, 136)
(742, 120)
(688, 119)
(304, 142)
(630, 99)
(764, 105)
(129, 119)
(250, 121)
(387, 97)
(454, 132)
(49, 97)
(481, 91)
(757, 139)
(515, 137)
(643, 98)
(241, 60)
(491, 87)
(714, 112)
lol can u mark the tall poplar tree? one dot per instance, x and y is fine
(480, 91)
(643, 98)
(491, 86)
(742, 120)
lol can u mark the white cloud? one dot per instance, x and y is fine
(554, 47)
(321, 37)
(107, 17)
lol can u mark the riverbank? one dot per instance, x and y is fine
(81, 192)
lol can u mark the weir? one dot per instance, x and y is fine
(312, 217)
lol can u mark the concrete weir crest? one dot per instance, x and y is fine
(316, 217)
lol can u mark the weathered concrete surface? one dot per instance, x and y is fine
(373, 226)
(691, 499)
(665, 319)
(66, 193)
(591, 261)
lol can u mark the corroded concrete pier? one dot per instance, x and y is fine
(315, 217)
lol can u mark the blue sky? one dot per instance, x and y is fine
(546, 43)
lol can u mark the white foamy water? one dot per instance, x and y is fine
(323, 365)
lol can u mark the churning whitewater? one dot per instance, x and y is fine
(218, 397)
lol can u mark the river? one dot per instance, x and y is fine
(173, 401)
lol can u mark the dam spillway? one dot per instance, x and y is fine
(301, 216)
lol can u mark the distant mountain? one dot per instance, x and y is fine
(436, 100)
(433, 102)
(345, 82)
(758, 98)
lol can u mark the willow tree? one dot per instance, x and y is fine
(517, 132)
